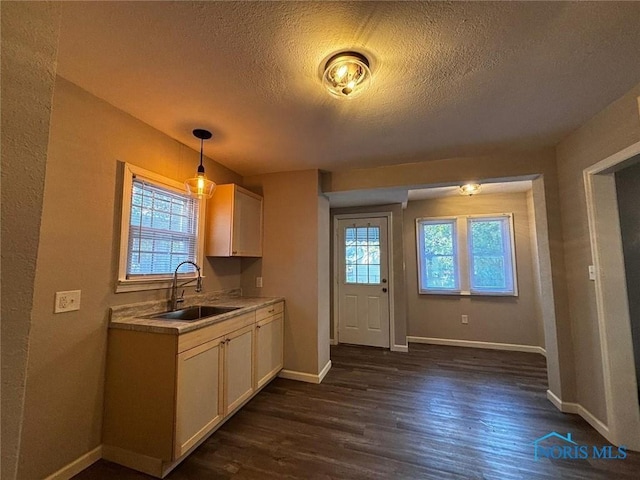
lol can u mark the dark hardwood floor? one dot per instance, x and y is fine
(434, 413)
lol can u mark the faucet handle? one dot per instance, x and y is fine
(181, 299)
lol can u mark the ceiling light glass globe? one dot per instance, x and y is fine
(346, 75)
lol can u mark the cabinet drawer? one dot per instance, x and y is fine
(265, 312)
(198, 337)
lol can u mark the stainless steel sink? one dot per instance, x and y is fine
(191, 314)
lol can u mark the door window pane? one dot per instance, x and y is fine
(362, 255)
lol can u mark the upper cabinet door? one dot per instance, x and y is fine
(234, 223)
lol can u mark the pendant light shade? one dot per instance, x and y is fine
(200, 186)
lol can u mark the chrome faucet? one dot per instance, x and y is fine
(175, 301)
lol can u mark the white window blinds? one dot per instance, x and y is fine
(163, 230)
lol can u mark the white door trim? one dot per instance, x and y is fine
(621, 393)
(336, 276)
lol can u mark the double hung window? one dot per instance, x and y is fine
(466, 255)
(160, 228)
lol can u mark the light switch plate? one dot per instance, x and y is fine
(592, 272)
(67, 301)
(258, 282)
(465, 319)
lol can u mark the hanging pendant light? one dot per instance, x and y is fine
(200, 186)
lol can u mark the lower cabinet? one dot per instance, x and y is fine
(165, 394)
(199, 389)
(269, 343)
(238, 368)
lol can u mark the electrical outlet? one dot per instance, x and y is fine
(258, 282)
(67, 301)
(465, 319)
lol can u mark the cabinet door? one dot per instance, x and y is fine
(247, 225)
(198, 394)
(238, 368)
(269, 339)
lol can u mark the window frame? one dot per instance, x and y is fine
(420, 222)
(509, 242)
(160, 281)
(463, 257)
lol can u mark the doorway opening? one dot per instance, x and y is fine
(612, 300)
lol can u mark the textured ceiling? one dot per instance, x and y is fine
(449, 79)
(515, 186)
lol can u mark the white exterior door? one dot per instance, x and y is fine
(363, 286)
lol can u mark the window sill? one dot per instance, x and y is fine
(466, 293)
(140, 285)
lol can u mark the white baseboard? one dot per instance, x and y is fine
(400, 348)
(514, 347)
(306, 377)
(576, 408)
(79, 464)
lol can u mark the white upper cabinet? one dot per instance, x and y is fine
(234, 223)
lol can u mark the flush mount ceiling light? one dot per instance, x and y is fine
(469, 189)
(200, 186)
(346, 74)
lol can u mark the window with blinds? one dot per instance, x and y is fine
(163, 230)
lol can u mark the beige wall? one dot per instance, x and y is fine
(294, 249)
(610, 131)
(78, 249)
(535, 256)
(29, 48)
(324, 280)
(491, 319)
(398, 288)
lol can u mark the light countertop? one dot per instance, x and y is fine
(136, 316)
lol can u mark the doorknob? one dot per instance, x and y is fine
(384, 290)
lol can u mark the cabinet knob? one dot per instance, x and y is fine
(271, 311)
(234, 252)
(228, 340)
(258, 327)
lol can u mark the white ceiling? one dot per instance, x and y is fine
(449, 78)
(517, 186)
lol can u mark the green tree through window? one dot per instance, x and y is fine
(486, 248)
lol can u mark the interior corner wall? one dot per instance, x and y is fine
(535, 255)
(78, 250)
(29, 51)
(324, 281)
(555, 321)
(492, 319)
(610, 131)
(399, 286)
(290, 264)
